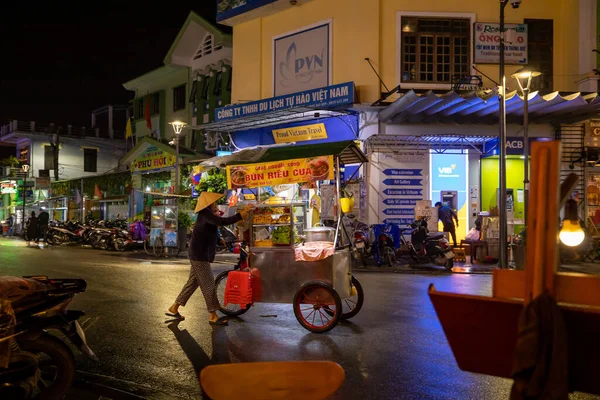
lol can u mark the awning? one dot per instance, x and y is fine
(348, 152)
(435, 143)
(482, 107)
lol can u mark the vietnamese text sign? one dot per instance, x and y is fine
(298, 170)
(152, 159)
(300, 133)
(8, 187)
(230, 8)
(302, 60)
(399, 221)
(487, 43)
(330, 96)
(42, 183)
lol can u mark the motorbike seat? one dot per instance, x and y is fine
(434, 236)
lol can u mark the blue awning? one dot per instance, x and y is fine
(482, 107)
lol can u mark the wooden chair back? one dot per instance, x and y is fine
(289, 380)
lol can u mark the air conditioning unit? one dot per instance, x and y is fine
(44, 173)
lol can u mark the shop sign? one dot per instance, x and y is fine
(449, 177)
(487, 43)
(8, 187)
(595, 128)
(514, 145)
(325, 97)
(153, 160)
(42, 183)
(302, 59)
(298, 170)
(300, 133)
(24, 155)
(230, 8)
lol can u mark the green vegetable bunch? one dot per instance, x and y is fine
(214, 182)
(281, 235)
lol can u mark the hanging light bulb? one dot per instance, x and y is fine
(571, 233)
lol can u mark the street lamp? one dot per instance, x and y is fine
(503, 245)
(25, 168)
(524, 77)
(177, 128)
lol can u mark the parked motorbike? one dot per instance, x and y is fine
(120, 239)
(383, 249)
(429, 247)
(68, 232)
(228, 240)
(38, 364)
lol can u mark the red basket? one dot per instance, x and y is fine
(238, 289)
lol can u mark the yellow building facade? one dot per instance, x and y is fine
(372, 29)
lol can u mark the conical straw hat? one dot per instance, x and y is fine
(206, 199)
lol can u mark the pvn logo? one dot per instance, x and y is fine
(301, 69)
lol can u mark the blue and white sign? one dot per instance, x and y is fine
(514, 145)
(404, 172)
(449, 174)
(398, 221)
(400, 202)
(302, 59)
(403, 182)
(325, 97)
(230, 8)
(403, 192)
(399, 211)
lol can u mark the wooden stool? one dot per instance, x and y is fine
(474, 244)
(460, 255)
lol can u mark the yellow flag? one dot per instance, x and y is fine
(128, 130)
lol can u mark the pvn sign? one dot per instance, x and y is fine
(302, 59)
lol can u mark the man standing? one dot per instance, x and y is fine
(43, 220)
(446, 215)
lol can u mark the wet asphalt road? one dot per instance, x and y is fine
(393, 349)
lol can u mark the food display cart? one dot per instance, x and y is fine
(286, 266)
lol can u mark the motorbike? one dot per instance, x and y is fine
(37, 363)
(120, 239)
(429, 247)
(228, 240)
(69, 232)
(383, 249)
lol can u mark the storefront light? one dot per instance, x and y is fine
(148, 189)
(571, 233)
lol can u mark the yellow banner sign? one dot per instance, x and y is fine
(300, 133)
(153, 159)
(299, 170)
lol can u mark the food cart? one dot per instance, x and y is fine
(320, 285)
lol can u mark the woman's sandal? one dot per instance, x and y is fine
(176, 315)
(221, 322)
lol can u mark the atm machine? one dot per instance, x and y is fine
(450, 198)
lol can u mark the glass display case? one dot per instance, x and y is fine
(163, 225)
(278, 224)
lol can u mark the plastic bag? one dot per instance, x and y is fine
(473, 235)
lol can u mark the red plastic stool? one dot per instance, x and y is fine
(238, 289)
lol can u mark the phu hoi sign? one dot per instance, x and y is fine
(153, 160)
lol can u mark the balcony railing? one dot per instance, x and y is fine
(31, 127)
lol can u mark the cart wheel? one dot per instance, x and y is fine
(351, 305)
(232, 309)
(310, 304)
(158, 247)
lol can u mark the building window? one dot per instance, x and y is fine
(90, 160)
(218, 84)
(205, 85)
(139, 109)
(155, 104)
(540, 44)
(435, 50)
(179, 98)
(48, 157)
(206, 47)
